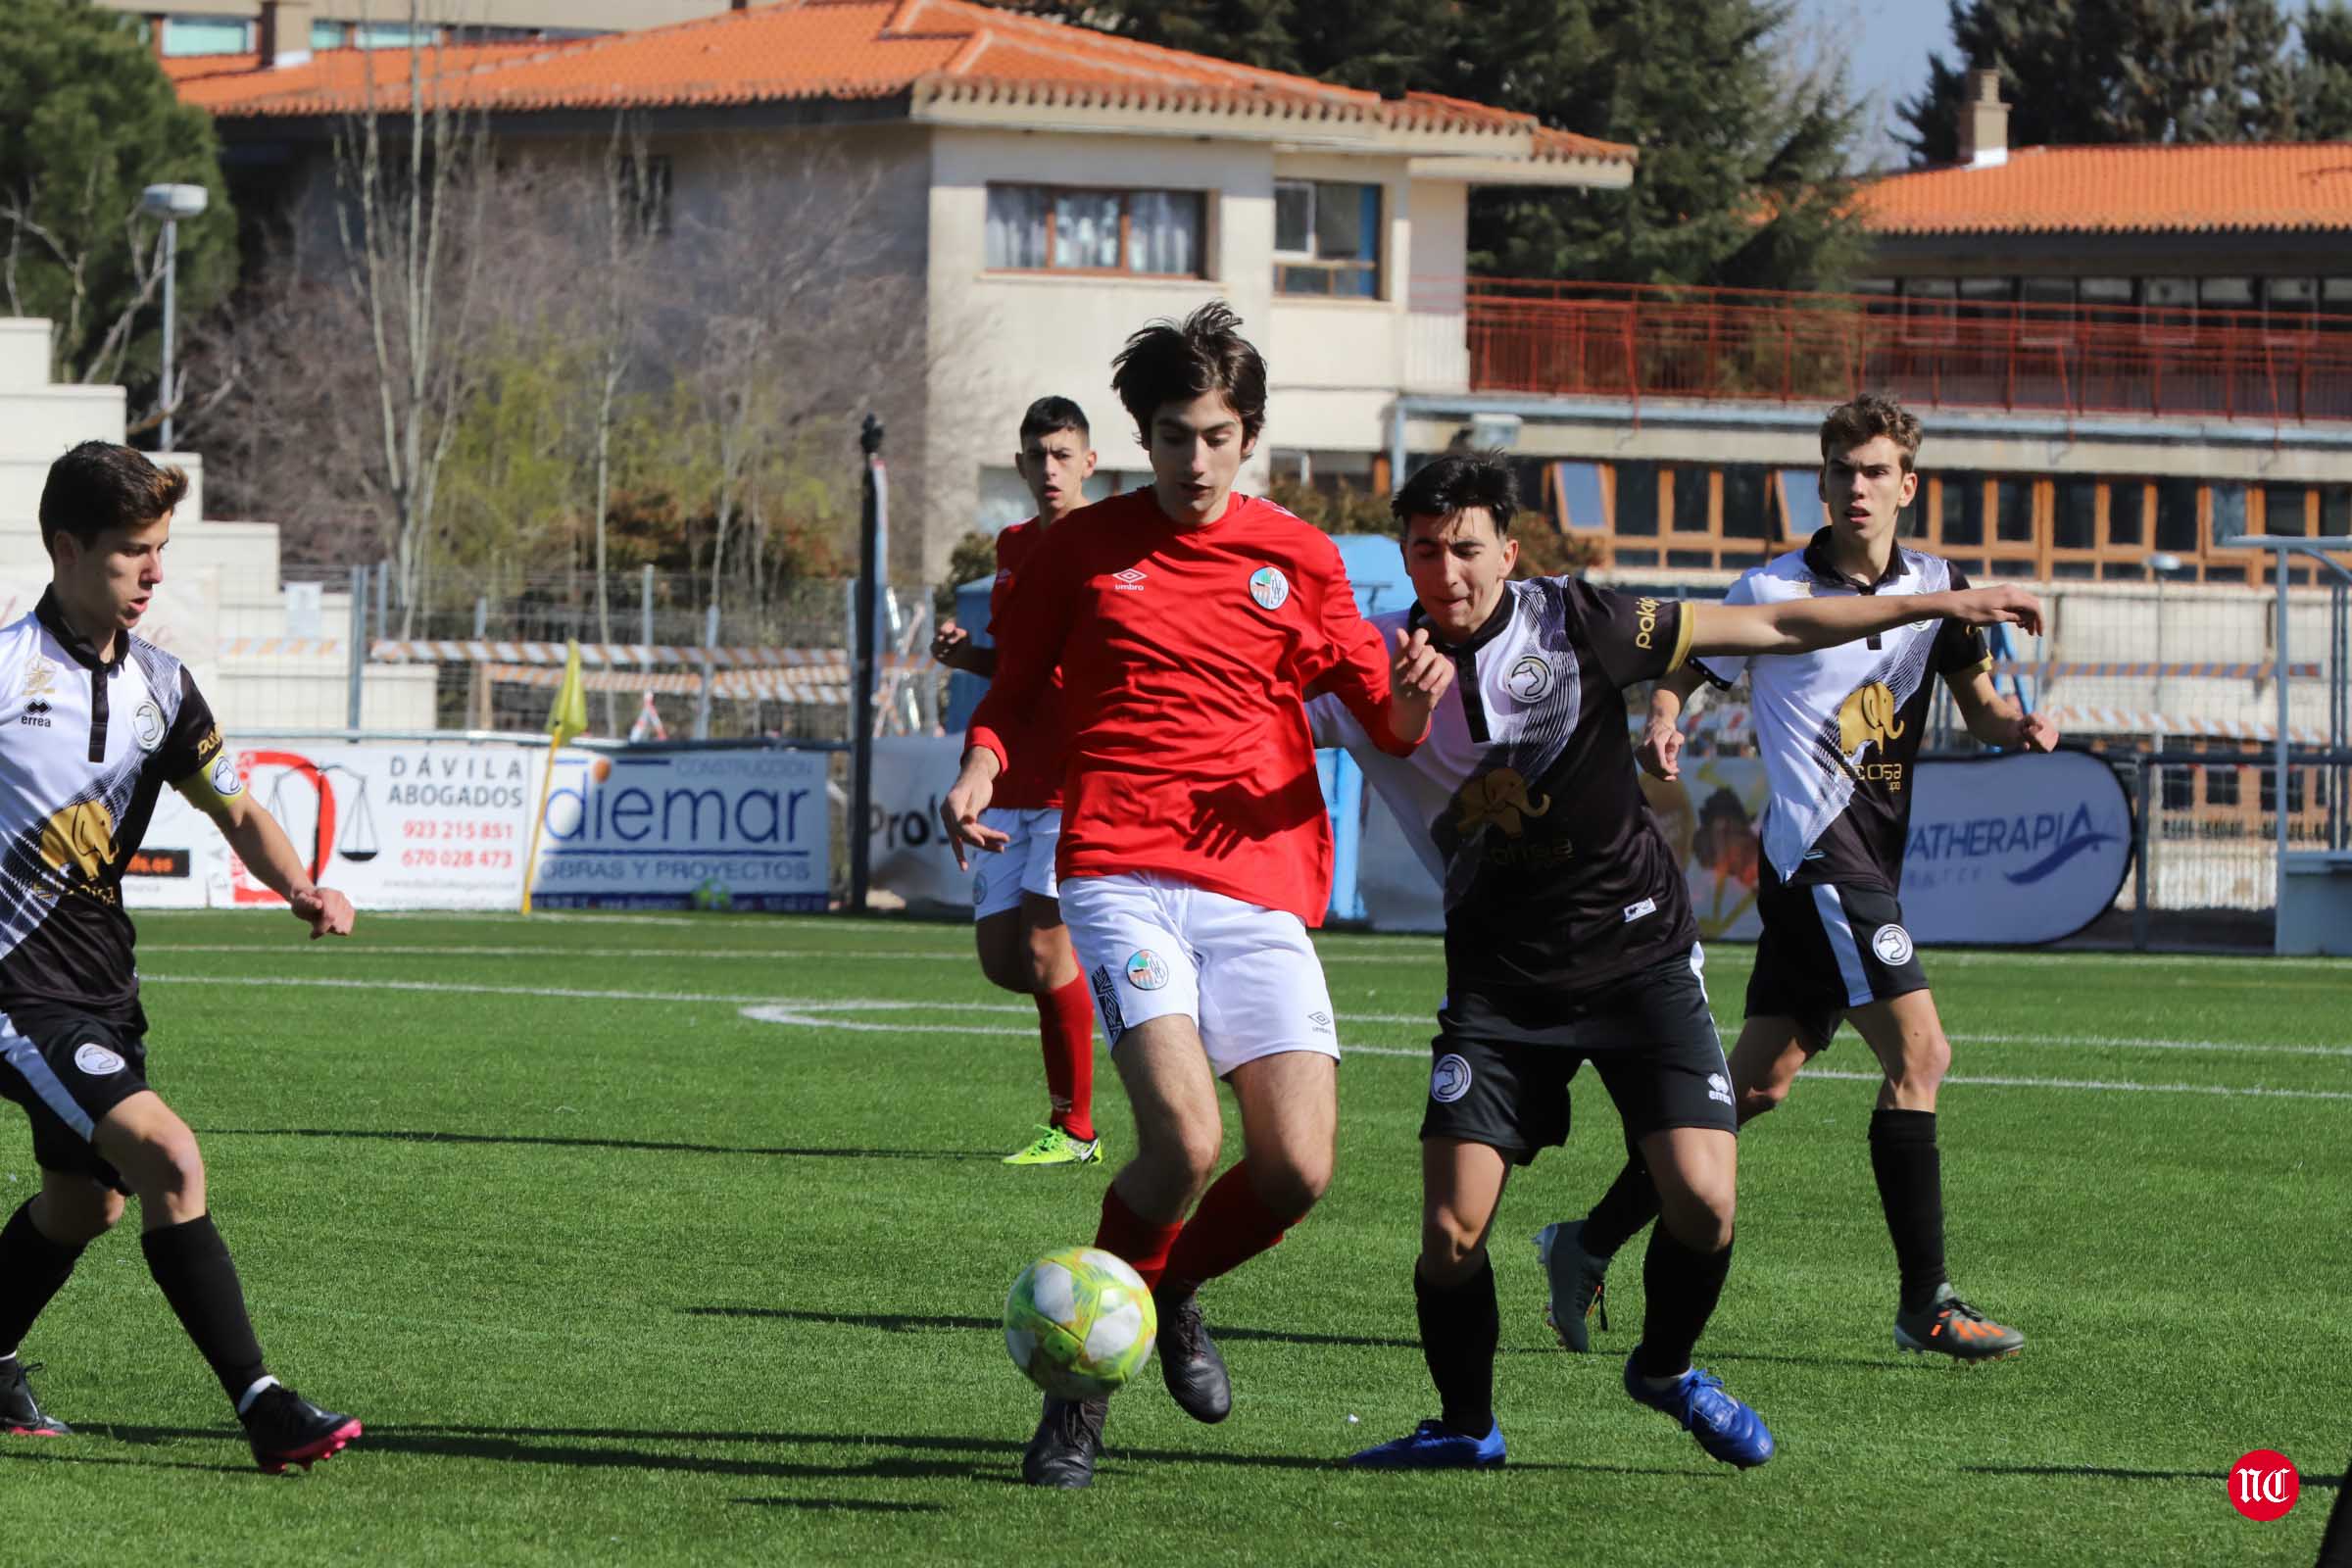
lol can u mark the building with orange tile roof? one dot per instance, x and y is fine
(1056, 186)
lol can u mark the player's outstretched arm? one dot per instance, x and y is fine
(271, 856)
(1803, 625)
(1661, 749)
(1999, 720)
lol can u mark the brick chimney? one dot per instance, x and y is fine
(286, 34)
(1984, 121)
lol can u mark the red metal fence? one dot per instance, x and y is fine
(1631, 341)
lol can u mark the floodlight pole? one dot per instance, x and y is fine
(170, 311)
(861, 671)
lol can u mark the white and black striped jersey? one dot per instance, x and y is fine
(1523, 800)
(86, 746)
(1841, 728)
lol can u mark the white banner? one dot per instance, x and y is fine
(906, 851)
(655, 827)
(2004, 850)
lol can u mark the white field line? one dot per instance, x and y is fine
(815, 1005)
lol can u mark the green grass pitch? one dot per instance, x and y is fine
(615, 1273)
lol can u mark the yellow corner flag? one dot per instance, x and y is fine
(567, 717)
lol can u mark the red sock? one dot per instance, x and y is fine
(1232, 1226)
(1142, 1243)
(1066, 1023)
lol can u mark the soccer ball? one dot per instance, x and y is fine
(1079, 1323)
(714, 895)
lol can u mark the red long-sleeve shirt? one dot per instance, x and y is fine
(1032, 778)
(1186, 656)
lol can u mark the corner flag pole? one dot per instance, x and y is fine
(871, 564)
(567, 717)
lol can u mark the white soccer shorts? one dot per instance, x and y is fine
(1025, 865)
(1155, 946)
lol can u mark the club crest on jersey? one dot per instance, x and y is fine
(96, 1060)
(225, 782)
(1147, 970)
(1269, 587)
(40, 677)
(1450, 1079)
(147, 726)
(1892, 943)
(1530, 679)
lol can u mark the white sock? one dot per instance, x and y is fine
(245, 1399)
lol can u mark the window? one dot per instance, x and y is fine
(2074, 521)
(2180, 787)
(2336, 511)
(1691, 500)
(1802, 511)
(1326, 239)
(2013, 512)
(2282, 509)
(2172, 304)
(1743, 509)
(2335, 296)
(2229, 512)
(1963, 519)
(2046, 290)
(1040, 228)
(2177, 514)
(1983, 297)
(2227, 294)
(1578, 486)
(2221, 786)
(2104, 291)
(1637, 509)
(206, 35)
(2047, 315)
(1880, 292)
(2287, 303)
(1927, 308)
(2126, 512)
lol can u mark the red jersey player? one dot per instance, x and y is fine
(1017, 913)
(1189, 624)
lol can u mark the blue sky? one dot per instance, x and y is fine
(1888, 43)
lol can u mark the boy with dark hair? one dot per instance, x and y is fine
(1017, 911)
(1190, 622)
(1569, 935)
(1840, 730)
(98, 721)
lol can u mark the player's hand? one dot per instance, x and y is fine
(329, 912)
(2035, 733)
(960, 814)
(1418, 675)
(2005, 605)
(1660, 752)
(951, 644)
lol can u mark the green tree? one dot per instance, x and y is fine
(2079, 73)
(2327, 105)
(87, 120)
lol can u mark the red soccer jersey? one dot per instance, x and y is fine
(1185, 656)
(1032, 778)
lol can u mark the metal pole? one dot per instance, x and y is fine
(2141, 837)
(701, 707)
(383, 598)
(645, 606)
(482, 616)
(359, 643)
(862, 672)
(2279, 560)
(170, 307)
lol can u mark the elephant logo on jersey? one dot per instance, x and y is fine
(1530, 679)
(1500, 797)
(1269, 587)
(80, 837)
(1870, 714)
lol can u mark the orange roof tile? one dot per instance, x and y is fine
(934, 50)
(2263, 185)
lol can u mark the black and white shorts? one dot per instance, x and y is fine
(68, 1069)
(1829, 947)
(1501, 1065)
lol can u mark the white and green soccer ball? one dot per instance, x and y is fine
(1079, 1323)
(714, 895)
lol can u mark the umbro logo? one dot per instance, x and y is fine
(1129, 581)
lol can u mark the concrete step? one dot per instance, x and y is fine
(23, 352)
(42, 424)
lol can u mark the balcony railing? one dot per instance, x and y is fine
(1636, 342)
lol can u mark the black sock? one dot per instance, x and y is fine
(1460, 1327)
(1681, 1287)
(1630, 1202)
(32, 1269)
(1910, 1173)
(191, 1264)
